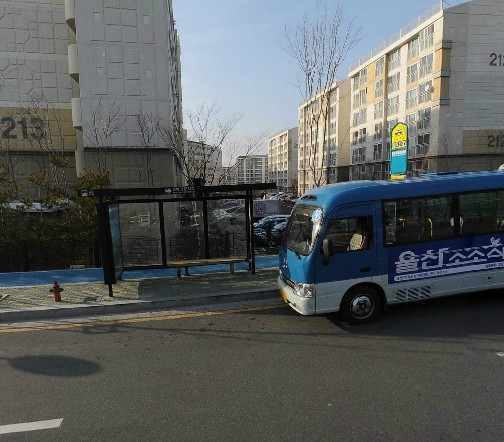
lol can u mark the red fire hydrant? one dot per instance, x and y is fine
(56, 291)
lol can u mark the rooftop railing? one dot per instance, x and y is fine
(433, 10)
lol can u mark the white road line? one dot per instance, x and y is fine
(30, 426)
(500, 354)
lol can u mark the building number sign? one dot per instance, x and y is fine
(30, 128)
(495, 141)
(496, 59)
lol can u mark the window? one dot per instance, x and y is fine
(379, 66)
(356, 83)
(378, 131)
(362, 135)
(393, 82)
(413, 48)
(377, 152)
(425, 92)
(360, 98)
(359, 155)
(426, 65)
(302, 231)
(393, 107)
(422, 144)
(377, 171)
(359, 117)
(411, 122)
(482, 212)
(412, 74)
(413, 220)
(378, 92)
(424, 117)
(355, 137)
(411, 98)
(349, 234)
(358, 172)
(363, 76)
(378, 110)
(427, 37)
(356, 101)
(394, 60)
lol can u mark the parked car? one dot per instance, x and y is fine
(263, 228)
(277, 234)
(267, 219)
(235, 215)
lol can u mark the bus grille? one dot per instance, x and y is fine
(287, 281)
(413, 294)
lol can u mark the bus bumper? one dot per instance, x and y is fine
(305, 306)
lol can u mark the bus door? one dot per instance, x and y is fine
(348, 254)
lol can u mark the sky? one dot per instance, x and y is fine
(233, 53)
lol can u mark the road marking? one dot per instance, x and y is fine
(136, 320)
(30, 426)
(500, 354)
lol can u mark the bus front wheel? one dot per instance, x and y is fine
(360, 305)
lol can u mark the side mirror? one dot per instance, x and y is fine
(327, 248)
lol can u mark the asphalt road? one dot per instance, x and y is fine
(426, 371)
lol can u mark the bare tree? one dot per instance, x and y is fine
(446, 153)
(9, 188)
(318, 45)
(148, 128)
(208, 134)
(105, 122)
(45, 130)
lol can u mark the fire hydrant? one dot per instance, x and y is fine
(56, 291)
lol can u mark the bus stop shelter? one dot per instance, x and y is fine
(175, 227)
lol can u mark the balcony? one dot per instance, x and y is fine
(73, 62)
(70, 13)
(76, 113)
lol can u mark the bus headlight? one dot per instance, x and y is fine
(304, 290)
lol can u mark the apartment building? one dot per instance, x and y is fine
(76, 76)
(441, 75)
(203, 161)
(229, 175)
(323, 138)
(282, 160)
(250, 169)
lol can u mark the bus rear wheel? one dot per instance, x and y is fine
(360, 305)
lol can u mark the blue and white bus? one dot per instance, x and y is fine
(359, 246)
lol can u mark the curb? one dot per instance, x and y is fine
(129, 306)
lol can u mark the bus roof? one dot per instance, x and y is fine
(428, 184)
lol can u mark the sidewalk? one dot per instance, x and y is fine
(26, 296)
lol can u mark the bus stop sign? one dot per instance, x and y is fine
(399, 151)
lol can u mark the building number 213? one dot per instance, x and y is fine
(9, 125)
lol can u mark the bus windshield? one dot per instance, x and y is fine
(302, 229)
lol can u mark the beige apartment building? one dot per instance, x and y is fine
(324, 138)
(74, 77)
(442, 75)
(282, 160)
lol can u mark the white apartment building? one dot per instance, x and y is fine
(250, 169)
(323, 138)
(442, 76)
(282, 159)
(74, 77)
